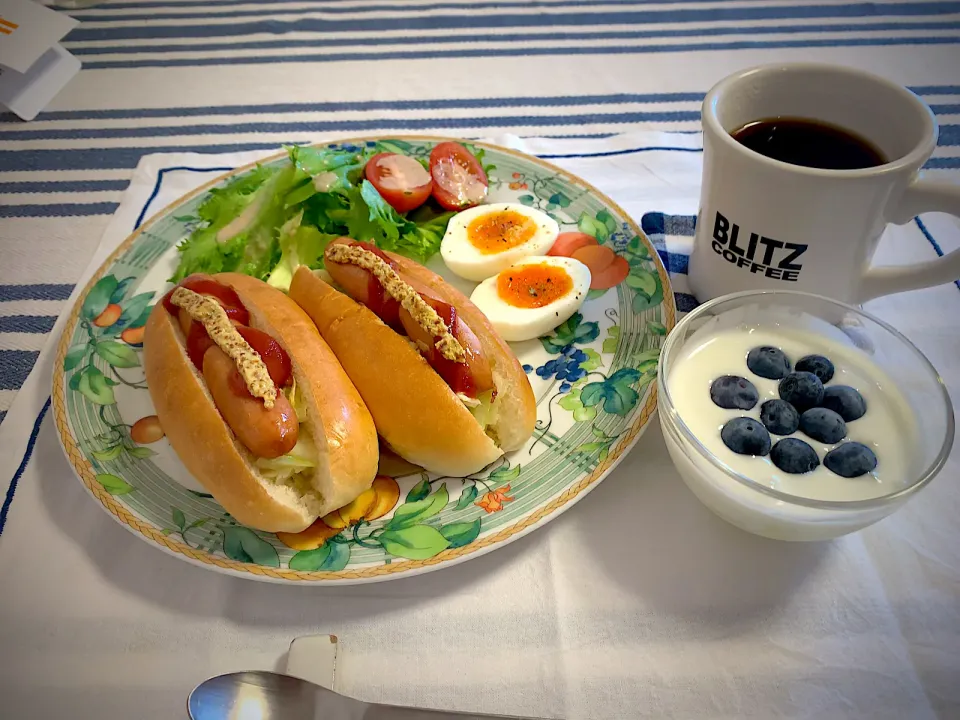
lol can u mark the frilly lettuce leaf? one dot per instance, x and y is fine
(246, 225)
(202, 251)
(241, 226)
(299, 245)
(394, 232)
(421, 242)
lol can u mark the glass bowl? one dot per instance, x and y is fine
(765, 510)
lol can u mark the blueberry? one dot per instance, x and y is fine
(768, 362)
(542, 371)
(794, 456)
(528, 369)
(564, 386)
(566, 349)
(575, 375)
(580, 356)
(850, 460)
(818, 365)
(745, 436)
(562, 375)
(779, 417)
(803, 390)
(551, 365)
(845, 401)
(823, 425)
(733, 392)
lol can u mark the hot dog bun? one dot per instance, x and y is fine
(517, 413)
(341, 426)
(415, 411)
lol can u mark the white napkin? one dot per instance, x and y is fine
(636, 603)
(35, 67)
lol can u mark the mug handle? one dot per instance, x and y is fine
(922, 195)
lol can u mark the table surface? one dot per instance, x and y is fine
(682, 633)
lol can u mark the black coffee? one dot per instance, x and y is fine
(808, 143)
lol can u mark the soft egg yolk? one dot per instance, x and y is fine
(499, 231)
(533, 286)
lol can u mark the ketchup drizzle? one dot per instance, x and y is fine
(198, 341)
(456, 374)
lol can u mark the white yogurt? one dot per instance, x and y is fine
(888, 428)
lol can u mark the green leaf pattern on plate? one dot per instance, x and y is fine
(461, 533)
(244, 545)
(95, 386)
(573, 331)
(416, 542)
(467, 497)
(114, 485)
(419, 491)
(411, 513)
(117, 354)
(99, 297)
(329, 557)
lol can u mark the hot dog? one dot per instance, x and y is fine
(265, 432)
(256, 404)
(445, 391)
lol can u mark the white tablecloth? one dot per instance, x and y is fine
(636, 603)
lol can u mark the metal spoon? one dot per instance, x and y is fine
(262, 695)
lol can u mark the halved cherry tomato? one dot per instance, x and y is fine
(459, 181)
(269, 350)
(568, 243)
(402, 181)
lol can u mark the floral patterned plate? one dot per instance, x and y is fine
(592, 377)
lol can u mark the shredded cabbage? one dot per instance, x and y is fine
(485, 411)
(295, 398)
(303, 456)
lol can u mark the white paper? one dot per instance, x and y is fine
(27, 31)
(28, 93)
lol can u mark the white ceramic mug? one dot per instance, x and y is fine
(766, 224)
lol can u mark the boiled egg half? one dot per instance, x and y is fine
(532, 296)
(482, 241)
